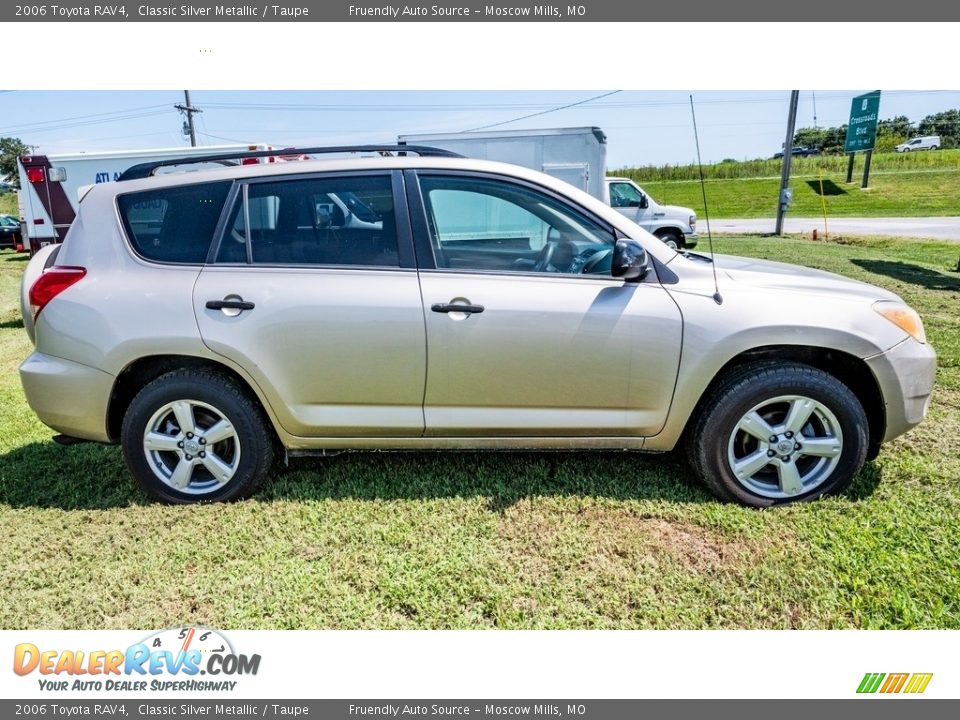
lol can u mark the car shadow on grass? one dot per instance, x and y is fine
(92, 476)
(909, 273)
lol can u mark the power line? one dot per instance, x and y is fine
(426, 107)
(544, 112)
(220, 137)
(28, 126)
(101, 121)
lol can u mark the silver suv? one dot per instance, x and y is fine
(210, 320)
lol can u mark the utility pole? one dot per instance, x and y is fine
(188, 110)
(783, 198)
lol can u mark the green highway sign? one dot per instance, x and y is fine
(862, 127)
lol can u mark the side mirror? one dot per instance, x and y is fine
(643, 202)
(629, 261)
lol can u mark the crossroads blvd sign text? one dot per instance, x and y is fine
(862, 127)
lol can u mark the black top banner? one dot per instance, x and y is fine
(739, 11)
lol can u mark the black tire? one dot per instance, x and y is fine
(715, 436)
(672, 238)
(247, 452)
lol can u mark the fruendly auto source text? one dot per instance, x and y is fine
(488, 11)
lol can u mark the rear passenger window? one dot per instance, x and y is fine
(318, 221)
(174, 224)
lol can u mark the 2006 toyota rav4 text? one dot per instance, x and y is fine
(207, 320)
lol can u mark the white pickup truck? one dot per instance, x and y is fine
(676, 226)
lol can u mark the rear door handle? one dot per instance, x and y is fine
(453, 307)
(230, 305)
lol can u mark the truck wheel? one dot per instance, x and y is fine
(671, 238)
(196, 436)
(776, 433)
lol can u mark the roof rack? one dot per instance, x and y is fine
(147, 169)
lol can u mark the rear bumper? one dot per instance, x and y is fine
(906, 374)
(69, 397)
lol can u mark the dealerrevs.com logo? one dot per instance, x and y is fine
(178, 659)
(892, 683)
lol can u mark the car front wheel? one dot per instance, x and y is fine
(196, 436)
(774, 434)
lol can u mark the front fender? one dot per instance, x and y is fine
(716, 334)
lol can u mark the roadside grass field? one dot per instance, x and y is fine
(913, 184)
(8, 204)
(890, 194)
(476, 540)
(768, 167)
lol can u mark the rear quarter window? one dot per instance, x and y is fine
(174, 224)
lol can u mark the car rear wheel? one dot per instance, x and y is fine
(774, 434)
(671, 238)
(196, 436)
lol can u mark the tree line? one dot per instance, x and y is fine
(890, 133)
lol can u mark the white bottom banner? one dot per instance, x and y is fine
(209, 663)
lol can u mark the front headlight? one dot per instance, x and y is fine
(692, 222)
(903, 316)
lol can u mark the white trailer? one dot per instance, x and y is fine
(51, 185)
(576, 155)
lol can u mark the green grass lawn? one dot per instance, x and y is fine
(901, 184)
(495, 540)
(768, 167)
(891, 194)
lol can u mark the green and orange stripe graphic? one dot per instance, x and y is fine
(894, 682)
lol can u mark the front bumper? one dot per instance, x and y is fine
(690, 239)
(69, 397)
(905, 374)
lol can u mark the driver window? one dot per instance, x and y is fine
(625, 195)
(498, 226)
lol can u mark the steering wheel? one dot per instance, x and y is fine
(594, 260)
(545, 256)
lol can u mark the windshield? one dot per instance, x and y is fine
(361, 210)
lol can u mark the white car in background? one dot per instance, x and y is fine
(927, 142)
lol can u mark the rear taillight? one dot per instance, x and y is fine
(51, 283)
(35, 175)
(249, 161)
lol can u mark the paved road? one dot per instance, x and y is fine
(944, 228)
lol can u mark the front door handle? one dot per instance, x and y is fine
(230, 305)
(456, 307)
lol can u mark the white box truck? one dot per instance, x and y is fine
(576, 155)
(51, 185)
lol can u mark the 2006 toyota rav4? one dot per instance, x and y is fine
(209, 319)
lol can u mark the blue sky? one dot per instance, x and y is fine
(643, 127)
